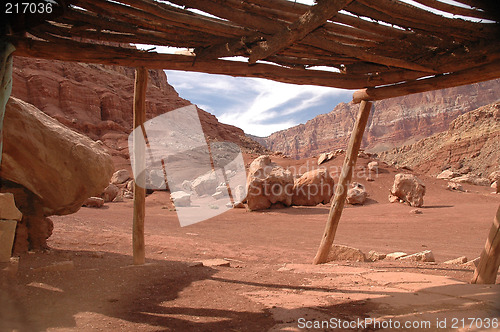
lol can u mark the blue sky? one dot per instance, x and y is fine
(258, 106)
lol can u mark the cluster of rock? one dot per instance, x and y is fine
(50, 170)
(340, 252)
(120, 186)
(209, 184)
(456, 178)
(345, 253)
(270, 185)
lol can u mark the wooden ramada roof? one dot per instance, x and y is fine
(387, 46)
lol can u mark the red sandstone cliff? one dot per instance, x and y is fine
(97, 101)
(469, 145)
(394, 122)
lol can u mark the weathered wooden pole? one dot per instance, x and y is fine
(139, 151)
(343, 184)
(486, 271)
(6, 50)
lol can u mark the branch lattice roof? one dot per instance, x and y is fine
(385, 47)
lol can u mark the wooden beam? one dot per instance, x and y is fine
(408, 16)
(343, 185)
(456, 10)
(468, 76)
(161, 18)
(311, 20)
(486, 271)
(321, 38)
(68, 50)
(139, 151)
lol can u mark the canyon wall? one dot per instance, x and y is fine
(393, 122)
(470, 144)
(97, 101)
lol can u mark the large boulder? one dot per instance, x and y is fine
(120, 176)
(110, 193)
(62, 168)
(409, 188)
(373, 166)
(206, 184)
(313, 187)
(494, 178)
(268, 184)
(357, 194)
(180, 198)
(324, 157)
(447, 174)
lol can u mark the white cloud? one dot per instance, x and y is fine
(259, 107)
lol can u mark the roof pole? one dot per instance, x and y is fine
(344, 180)
(141, 81)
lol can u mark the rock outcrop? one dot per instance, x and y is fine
(470, 145)
(268, 184)
(59, 166)
(393, 122)
(50, 170)
(408, 188)
(313, 187)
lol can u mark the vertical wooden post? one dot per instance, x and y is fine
(486, 271)
(141, 82)
(6, 50)
(344, 180)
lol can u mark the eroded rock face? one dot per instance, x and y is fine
(59, 166)
(409, 188)
(268, 184)
(313, 187)
(393, 121)
(470, 145)
(97, 100)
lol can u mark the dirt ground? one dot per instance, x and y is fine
(270, 283)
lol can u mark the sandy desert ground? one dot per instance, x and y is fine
(269, 283)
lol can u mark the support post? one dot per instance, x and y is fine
(6, 50)
(141, 81)
(486, 271)
(344, 180)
